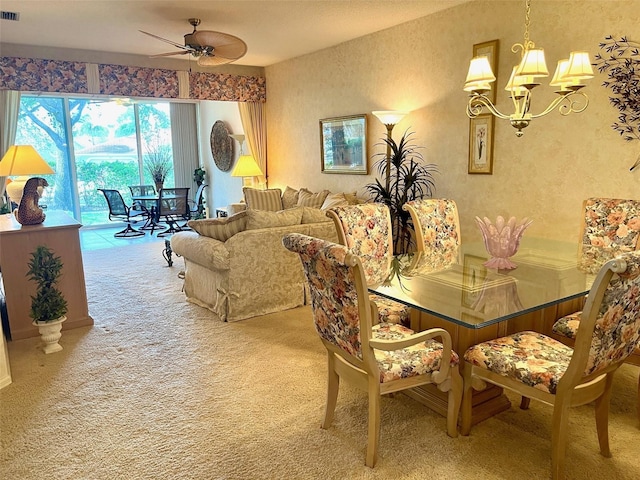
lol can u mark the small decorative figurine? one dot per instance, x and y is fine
(29, 212)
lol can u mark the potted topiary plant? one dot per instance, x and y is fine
(407, 178)
(48, 306)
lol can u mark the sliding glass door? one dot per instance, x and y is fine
(94, 144)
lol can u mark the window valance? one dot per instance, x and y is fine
(58, 76)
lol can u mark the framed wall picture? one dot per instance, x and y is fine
(490, 50)
(481, 144)
(343, 145)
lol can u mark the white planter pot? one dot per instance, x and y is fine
(50, 334)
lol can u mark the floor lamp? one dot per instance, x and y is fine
(389, 119)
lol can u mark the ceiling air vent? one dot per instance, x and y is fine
(13, 16)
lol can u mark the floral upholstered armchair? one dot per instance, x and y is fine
(542, 368)
(378, 357)
(611, 227)
(366, 231)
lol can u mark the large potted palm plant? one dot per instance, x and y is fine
(48, 305)
(406, 177)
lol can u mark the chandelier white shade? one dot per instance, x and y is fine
(569, 77)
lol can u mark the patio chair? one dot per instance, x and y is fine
(119, 211)
(542, 368)
(173, 207)
(377, 357)
(196, 206)
(366, 230)
(138, 192)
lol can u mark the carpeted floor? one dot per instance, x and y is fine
(159, 389)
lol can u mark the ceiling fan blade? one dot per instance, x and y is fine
(169, 54)
(224, 45)
(233, 52)
(177, 45)
(213, 60)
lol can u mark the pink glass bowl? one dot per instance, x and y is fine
(502, 240)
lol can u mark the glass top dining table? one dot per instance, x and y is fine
(467, 293)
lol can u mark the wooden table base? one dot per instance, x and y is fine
(486, 403)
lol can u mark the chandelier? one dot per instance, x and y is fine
(568, 79)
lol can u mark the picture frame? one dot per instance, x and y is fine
(491, 49)
(473, 275)
(343, 145)
(481, 144)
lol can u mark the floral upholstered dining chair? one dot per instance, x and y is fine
(611, 226)
(437, 227)
(378, 357)
(365, 229)
(542, 368)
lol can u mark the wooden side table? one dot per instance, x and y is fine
(60, 233)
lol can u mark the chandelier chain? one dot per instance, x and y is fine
(527, 19)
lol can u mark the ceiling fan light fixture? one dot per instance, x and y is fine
(208, 47)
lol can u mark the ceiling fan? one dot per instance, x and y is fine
(210, 48)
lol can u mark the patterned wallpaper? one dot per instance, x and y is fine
(55, 76)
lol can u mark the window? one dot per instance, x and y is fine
(94, 144)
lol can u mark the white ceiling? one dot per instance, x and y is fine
(274, 30)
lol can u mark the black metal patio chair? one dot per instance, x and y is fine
(120, 211)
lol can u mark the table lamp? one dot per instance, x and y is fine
(22, 161)
(248, 169)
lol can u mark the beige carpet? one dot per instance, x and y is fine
(158, 389)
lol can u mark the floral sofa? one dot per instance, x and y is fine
(237, 266)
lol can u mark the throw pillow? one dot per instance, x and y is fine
(310, 199)
(220, 228)
(264, 219)
(270, 199)
(314, 215)
(352, 198)
(334, 200)
(289, 198)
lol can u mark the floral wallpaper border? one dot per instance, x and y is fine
(57, 76)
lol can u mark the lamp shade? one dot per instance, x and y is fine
(480, 71)
(579, 66)
(533, 64)
(560, 76)
(516, 83)
(246, 167)
(390, 117)
(23, 160)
